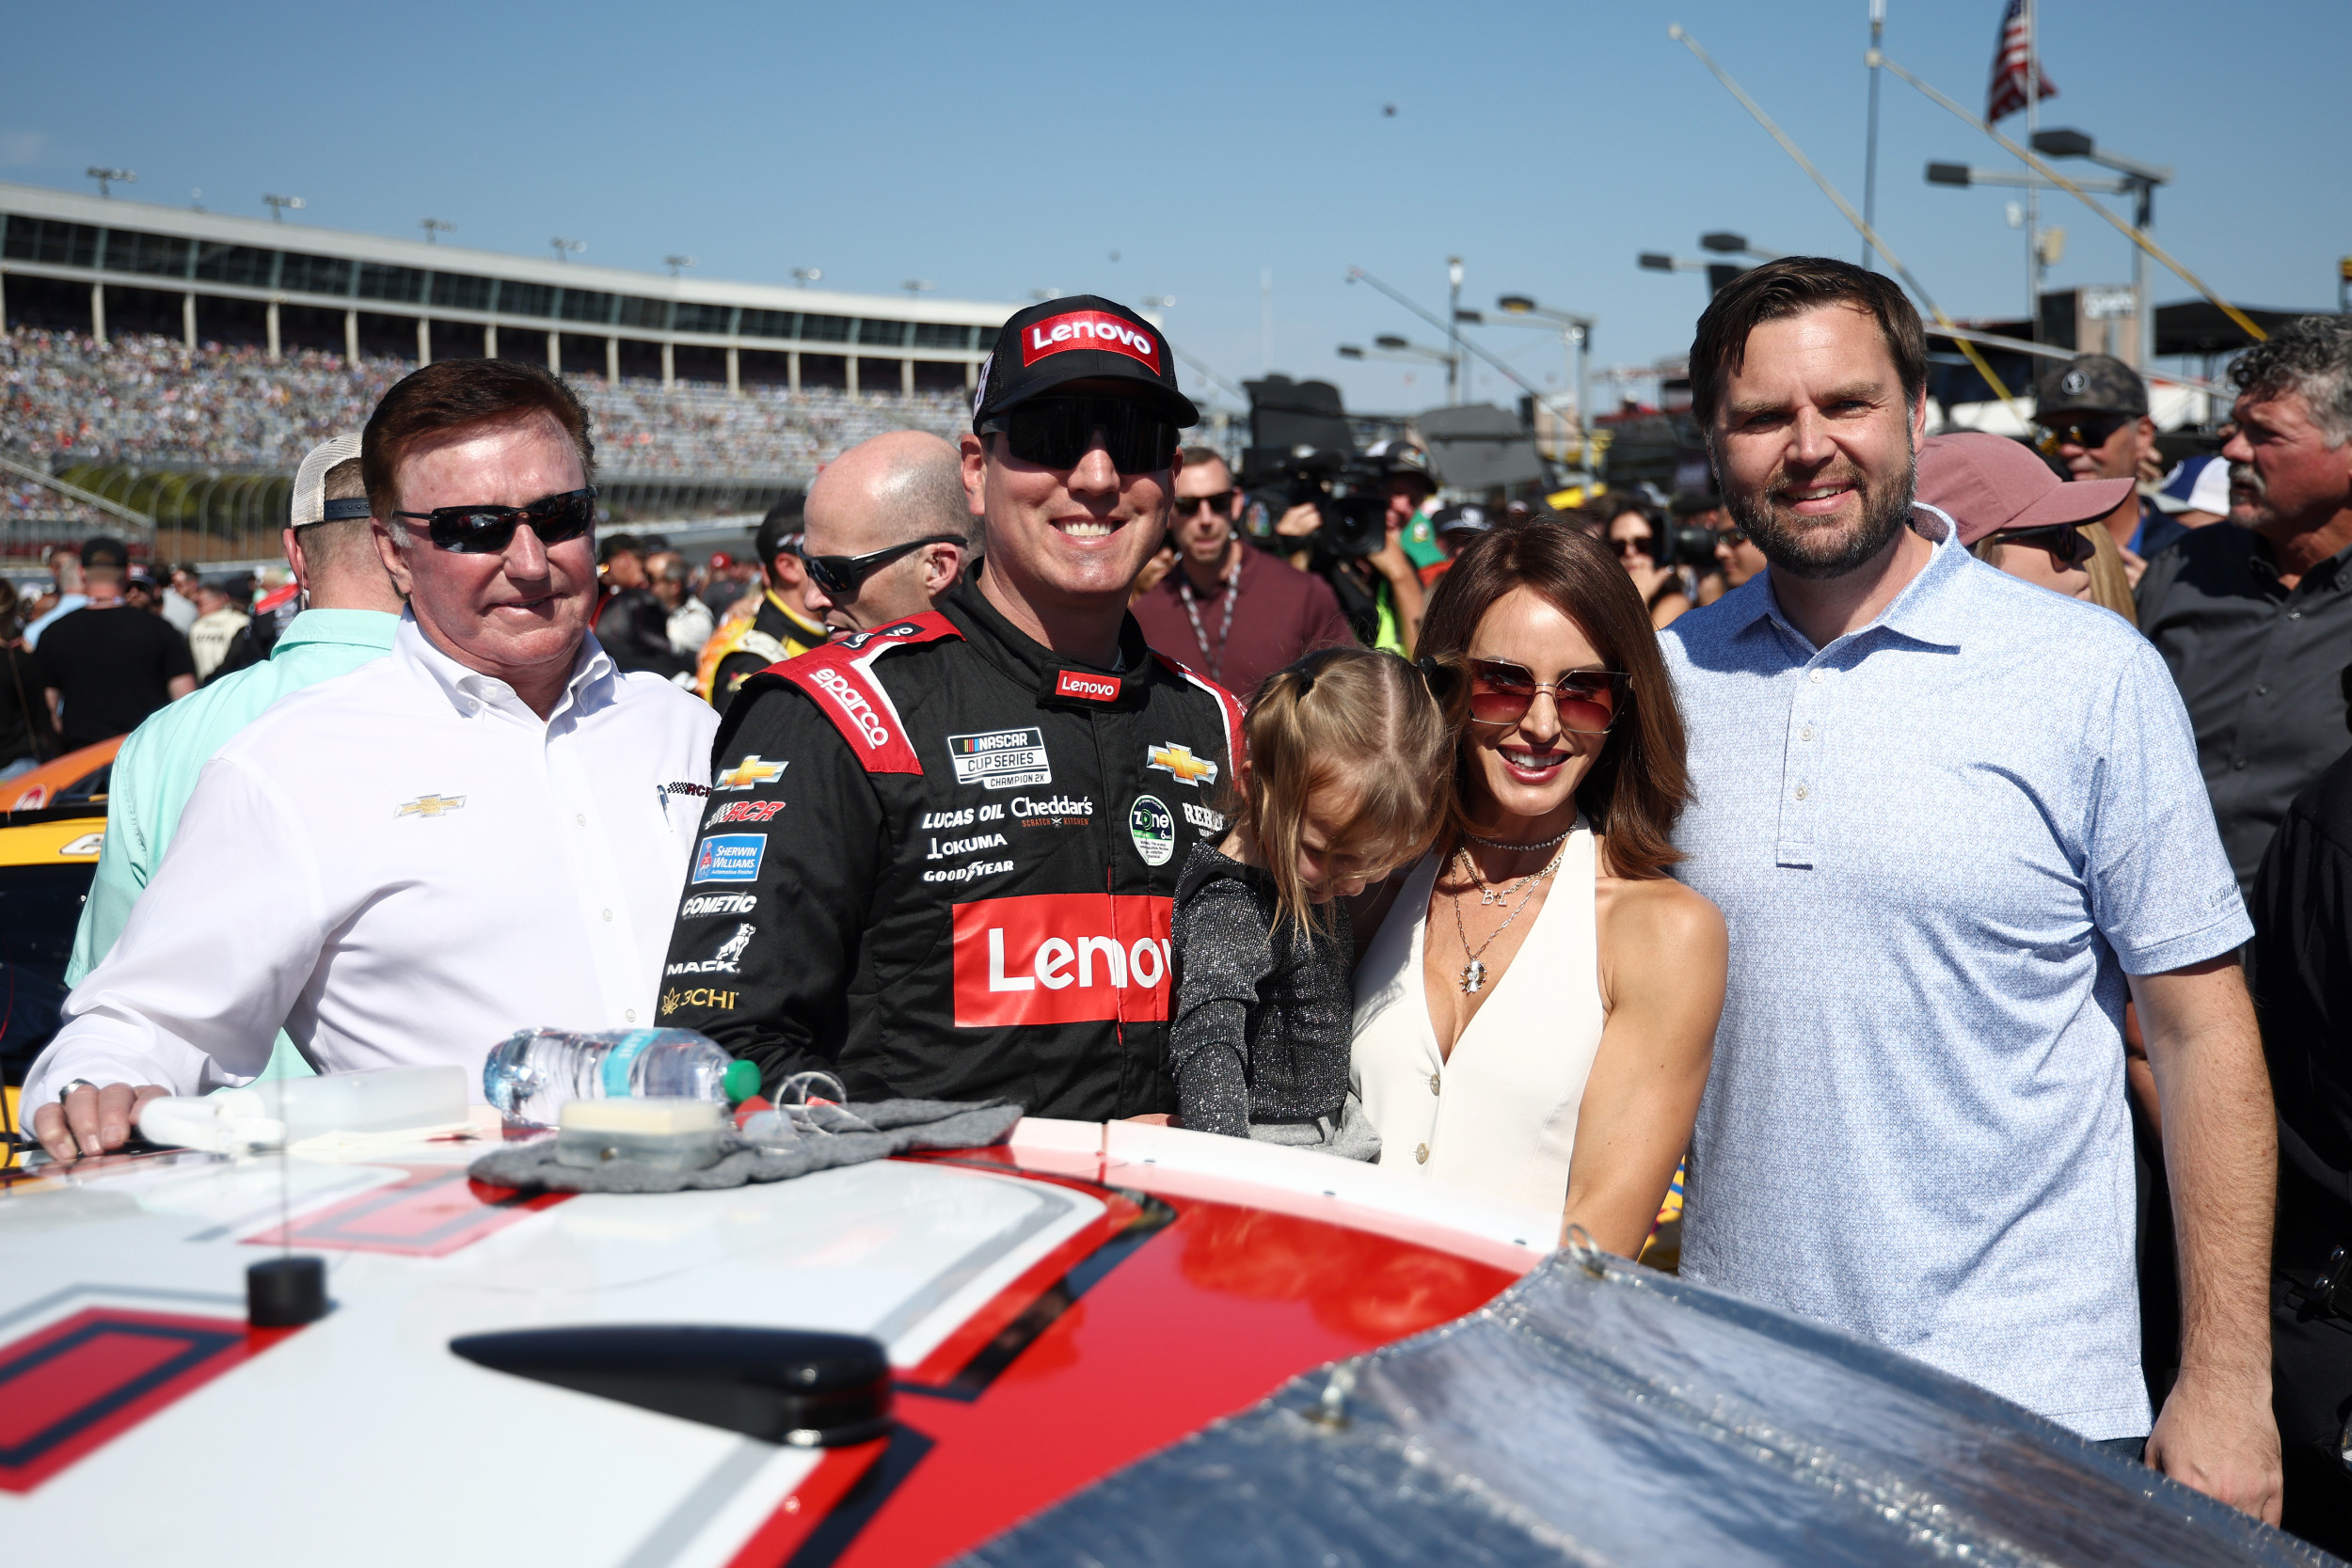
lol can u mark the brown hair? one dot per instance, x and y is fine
(451, 395)
(1356, 717)
(1789, 287)
(1639, 784)
(2111, 587)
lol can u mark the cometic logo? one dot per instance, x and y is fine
(1061, 957)
(718, 903)
(853, 703)
(1093, 688)
(1090, 329)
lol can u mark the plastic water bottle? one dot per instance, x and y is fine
(531, 1073)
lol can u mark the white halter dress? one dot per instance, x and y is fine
(1498, 1118)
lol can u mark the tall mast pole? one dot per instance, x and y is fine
(2033, 191)
(1871, 153)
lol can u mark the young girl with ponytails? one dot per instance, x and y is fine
(1348, 775)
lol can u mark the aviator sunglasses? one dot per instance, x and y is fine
(2068, 546)
(842, 574)
(1057, 432)
(1501, 693)
(489, 529)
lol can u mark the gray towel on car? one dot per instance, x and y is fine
(899, 1125)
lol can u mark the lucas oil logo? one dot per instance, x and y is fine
(1090, 329)
(1061, 957)
(1001, 759)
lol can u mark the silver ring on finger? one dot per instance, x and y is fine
(67, 1093)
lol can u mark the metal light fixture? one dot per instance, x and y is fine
(278, 204)
(108, 178)
(805, 275)
(565, 248)
(677, 264)
(432, 227)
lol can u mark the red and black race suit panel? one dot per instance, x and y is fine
(939, 862)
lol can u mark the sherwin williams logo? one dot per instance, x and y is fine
(1090, 329)
(730, 858)
(1093, 688)
(1061, 957)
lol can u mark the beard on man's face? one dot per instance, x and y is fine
(1822, 548)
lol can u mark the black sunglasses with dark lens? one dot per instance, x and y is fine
(2069, 547)
(1057, 432)
(1219, 503)
(2086, 430)
(489, 529)
(842, 574)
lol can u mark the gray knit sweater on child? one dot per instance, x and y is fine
(1265, 1011)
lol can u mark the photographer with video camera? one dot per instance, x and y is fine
(1344, 519)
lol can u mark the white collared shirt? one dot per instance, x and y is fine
(403, 865)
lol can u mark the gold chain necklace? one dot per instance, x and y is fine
(1474, 971)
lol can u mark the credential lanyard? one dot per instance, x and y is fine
(1215, 657)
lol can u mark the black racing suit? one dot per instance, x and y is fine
(939, 862)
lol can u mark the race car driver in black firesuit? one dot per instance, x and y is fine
(938, 858)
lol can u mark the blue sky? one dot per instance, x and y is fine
(994, 150)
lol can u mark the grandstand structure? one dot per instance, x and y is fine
(181, 350)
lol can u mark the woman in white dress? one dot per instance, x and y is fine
(1536, 1008)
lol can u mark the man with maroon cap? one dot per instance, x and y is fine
(941, 853)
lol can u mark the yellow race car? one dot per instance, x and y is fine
(47, 857)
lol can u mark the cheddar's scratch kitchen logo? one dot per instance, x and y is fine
(1098, 330)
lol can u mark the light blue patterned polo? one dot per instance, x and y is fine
(1940, 844)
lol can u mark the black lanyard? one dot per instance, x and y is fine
(1216, 658)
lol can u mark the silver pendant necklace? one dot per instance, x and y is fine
(1474, 971)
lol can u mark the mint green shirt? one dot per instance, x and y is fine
(156, 772)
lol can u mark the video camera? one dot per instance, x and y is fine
(1349, 490)
(1302, 453)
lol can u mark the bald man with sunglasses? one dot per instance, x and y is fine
(954, 838)
(888, 532)
(481, 832)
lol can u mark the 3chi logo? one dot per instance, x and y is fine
(431, 805)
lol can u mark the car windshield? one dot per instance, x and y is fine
(40, 906)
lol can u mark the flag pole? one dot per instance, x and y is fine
(1870, 152)
(2033, 192)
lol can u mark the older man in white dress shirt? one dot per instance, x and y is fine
(486, 831)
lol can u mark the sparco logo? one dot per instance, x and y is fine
(852, 701)
(1090, 329)
(1061, 957)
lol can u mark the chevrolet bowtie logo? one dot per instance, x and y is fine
(753, 769)
(1180, 761)
(431, 805)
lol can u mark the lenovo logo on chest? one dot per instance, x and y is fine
(1061, 957)
(1088, 329)
(1092, 689)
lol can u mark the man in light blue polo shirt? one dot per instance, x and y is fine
(352, 612)
(1953, 820)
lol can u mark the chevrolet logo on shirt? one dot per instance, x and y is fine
(1180, 761)
(752, 772)
(431, 805)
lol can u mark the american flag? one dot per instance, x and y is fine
(2007, 94)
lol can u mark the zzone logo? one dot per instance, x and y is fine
(1088, 329)
(853, 703)
(1061, 957)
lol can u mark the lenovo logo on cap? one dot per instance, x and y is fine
(1093, 688)
(1090, 329)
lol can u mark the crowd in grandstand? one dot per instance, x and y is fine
(142, 400)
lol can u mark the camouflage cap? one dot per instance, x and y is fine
(2090, 384)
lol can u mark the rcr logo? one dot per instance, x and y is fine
(1061, 957)
(853, 703)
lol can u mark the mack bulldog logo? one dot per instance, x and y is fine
(725, 961)
(1061, 957)
(1090, 329)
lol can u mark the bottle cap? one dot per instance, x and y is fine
(741, 1081)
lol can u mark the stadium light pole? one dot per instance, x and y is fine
(677, 264)
(1454, 331)
(1576, 336)
(2141, 181)
(804, 277)
(278, 204)
(565, 248)
(108, 178)
(919, 285)
(432, 227)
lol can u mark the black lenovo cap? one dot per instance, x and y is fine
(1082, 338)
